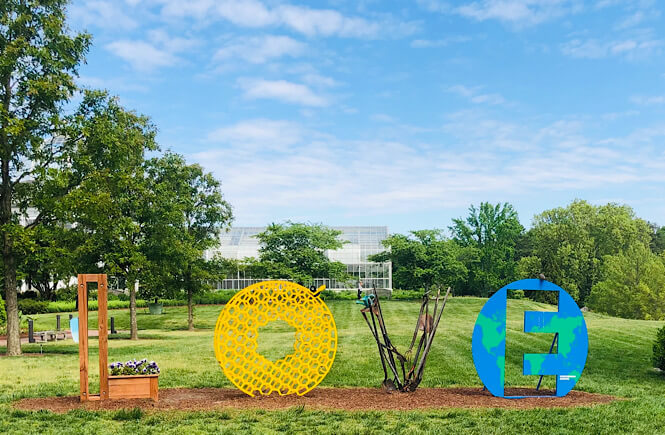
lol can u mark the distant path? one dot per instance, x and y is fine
(24, 337)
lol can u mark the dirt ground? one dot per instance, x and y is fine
(354, 399)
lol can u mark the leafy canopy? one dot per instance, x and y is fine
(493, 231)
(297, 251)
(424, 258)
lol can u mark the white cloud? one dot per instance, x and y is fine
(635, 48)
(103, 14)
(248, 13)
(382, 117)
(334, 175)
(519, 12)
(429, 43)
(264, 133)
(325, 22)
(260, 49)
(315, 79)
(147, 56)
(648, 100)
(632, 20)
(301, 19)
(281, 90)
(141, 55)
(474, 95)
(435, 5)
(172, 44)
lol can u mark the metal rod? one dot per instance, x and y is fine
(551, 349)
(57, 322)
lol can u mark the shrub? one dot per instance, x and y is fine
(659, 349)
(69, 293)
(516, 294)
(213, 298)
(344, 295)
(30, 294)
(31, 306)
(407, 295)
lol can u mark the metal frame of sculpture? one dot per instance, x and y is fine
(236, 333)
(570, 338)
(401, 379)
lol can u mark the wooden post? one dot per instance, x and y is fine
(102, 312)
(83, 336)
(102, 316)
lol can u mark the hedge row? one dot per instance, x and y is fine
(31, 306)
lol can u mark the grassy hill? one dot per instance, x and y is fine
(618, 364)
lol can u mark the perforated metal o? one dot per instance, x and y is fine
(255, 306)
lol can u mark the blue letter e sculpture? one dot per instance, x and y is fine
(489, 340)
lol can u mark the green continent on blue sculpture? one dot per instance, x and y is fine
(489, 345)
(489, 339)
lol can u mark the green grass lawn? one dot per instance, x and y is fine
(618, 364)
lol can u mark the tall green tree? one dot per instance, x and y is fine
(112, 206)
(425, 258)
(297, 251)
(39, 58)
(188, 216)
(632, 285)
(569, 243)
(493, 230)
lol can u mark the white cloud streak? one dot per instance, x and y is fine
(159, 51)
(260, 49)
(630, 48)
(301, 19)
(365, 177)
(518, 13)
(281, 90)
(104, 14)
(474, 95)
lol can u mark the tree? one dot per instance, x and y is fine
(38, 60)
(50, 261)
(493, 230)
(112, 205)
(297, 251)
(187, 217)
(571, 242)
(632, 285)
(424, 258)
(657, 239)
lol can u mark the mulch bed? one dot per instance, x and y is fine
(352, 399)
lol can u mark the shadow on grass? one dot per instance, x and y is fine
(126, 336)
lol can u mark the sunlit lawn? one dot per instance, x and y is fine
(618, 364)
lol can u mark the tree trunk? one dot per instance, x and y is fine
(11, 301)
(9, 261)
(190, 311)
(134, 333)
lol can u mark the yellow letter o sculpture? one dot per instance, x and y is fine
(236, 336)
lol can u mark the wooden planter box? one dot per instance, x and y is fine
(134, 387)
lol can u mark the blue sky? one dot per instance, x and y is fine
(398, 113)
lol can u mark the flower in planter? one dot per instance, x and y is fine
(134, 367)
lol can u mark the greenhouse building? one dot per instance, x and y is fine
(240, 243)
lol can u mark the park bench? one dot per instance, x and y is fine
(50, 335)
